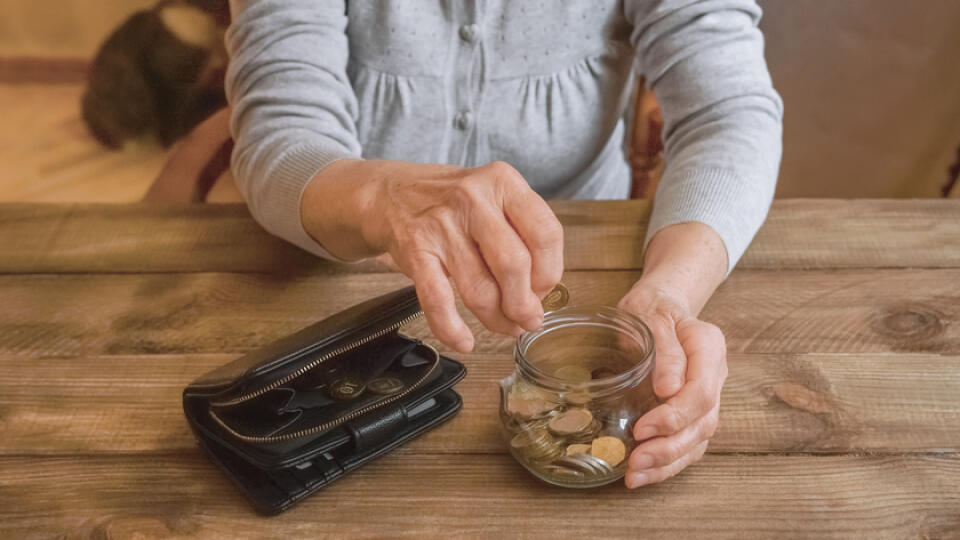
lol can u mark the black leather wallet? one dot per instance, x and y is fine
(286, 420)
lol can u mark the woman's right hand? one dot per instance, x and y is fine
(482, 230)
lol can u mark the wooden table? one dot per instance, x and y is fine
(840, 417)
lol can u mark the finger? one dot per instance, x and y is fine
(706, 349)
(510, 263)
(662, 451)
(538, 228)
(706, 353)
(438, 303)
(669, 371)
(478, 289)
(652, 476)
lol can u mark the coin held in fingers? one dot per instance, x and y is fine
(556, 299)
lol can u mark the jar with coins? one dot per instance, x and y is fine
(579, 384)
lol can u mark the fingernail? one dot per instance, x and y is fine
(635, 480)
(642, 461)
(465, 345)
(644, 433)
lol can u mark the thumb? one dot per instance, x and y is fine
(669, 372)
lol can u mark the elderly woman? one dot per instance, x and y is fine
(429, 133)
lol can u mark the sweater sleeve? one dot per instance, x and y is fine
(704, 61)
(293, 108)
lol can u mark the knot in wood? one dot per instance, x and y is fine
(910, 323)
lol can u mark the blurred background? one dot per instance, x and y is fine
(871, 87)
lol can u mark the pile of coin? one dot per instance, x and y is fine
(562, 437)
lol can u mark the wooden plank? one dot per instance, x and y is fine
(771, 403)
(830, 311)
(481, 495)
(801, 233)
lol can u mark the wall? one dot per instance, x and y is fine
(872, 94)
(60, 28)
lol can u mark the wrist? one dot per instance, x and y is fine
(685, 262)
(336, 208)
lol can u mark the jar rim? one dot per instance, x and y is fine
(598, 315)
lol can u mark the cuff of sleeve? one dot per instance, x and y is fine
(718, 198)
(279, 209)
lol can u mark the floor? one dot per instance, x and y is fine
(48, 155)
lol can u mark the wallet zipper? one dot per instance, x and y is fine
(314, 363)
(332, 423)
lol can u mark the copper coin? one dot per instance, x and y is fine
(578, 449)
(556, 299)
(610, 449)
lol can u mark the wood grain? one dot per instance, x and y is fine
(838, 420)
(771, 403)
(415, 496)
(831, 311)
(811, 233)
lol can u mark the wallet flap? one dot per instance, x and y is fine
(284, 356)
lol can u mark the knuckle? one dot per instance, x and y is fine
(715, 334)
(469, 193)
(416, 238)
(551, 231)
(519, 309)
(510, 262)
(705, 400)
(502, 169)
(432, 297)
(672, 451)
(480, 296)
(430, 301)
(673, 420)
(548, 234)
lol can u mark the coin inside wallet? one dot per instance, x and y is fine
(349, 382)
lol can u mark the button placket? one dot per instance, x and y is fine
(466, 84)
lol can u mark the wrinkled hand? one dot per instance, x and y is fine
(691, 366)
(482, 230)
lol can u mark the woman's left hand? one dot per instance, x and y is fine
(690, 368)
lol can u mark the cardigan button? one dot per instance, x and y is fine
(463, 120)
(469, 32)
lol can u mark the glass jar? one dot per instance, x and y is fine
(579, 384)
